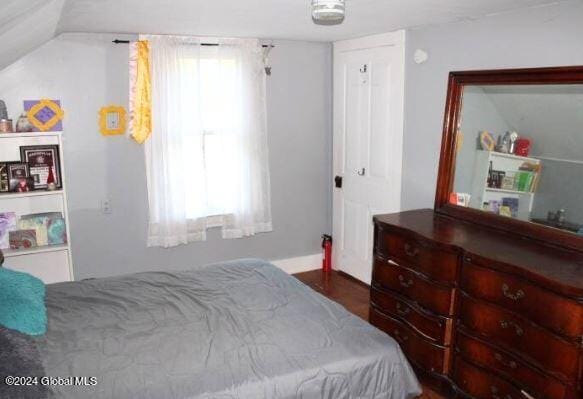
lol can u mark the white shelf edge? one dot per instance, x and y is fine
(512, 156)
(36, 250)
(501, 190)
(29, 134)
(38, 193)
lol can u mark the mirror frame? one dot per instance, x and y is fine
(446, 173)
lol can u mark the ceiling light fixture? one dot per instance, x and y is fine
(328, 12)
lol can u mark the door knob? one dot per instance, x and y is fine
(361, 172)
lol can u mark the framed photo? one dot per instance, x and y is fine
(40, 160)
(4, 182)
(18, 176)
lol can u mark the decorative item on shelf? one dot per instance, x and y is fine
(508, 182)
(494, 206)
(6, 126)
(23, 125)
(5, 122)
(523, 180)
(528, 176)
(505, 211)
(18, 174)
(25, 185)
(4, 181)
(49, 226)
(7, 224)
(511, 204)
(495, 178)
(56, 231)
(22, 239)
(503, 145)
(487, 141)
(522, 147)
(44, 114)
(3, 110)
(43, 160)
(513, 136)
(112, 120)
(51, 186)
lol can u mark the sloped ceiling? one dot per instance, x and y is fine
(26, 24)
(551, 116)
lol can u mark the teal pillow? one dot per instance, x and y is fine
(22, 302)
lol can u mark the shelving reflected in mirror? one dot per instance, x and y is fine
(519, 153)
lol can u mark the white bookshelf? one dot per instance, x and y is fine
(51, 263)
(481, 193)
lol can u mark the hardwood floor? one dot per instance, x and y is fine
(350, 293)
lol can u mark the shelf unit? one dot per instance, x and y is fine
(51, 263)
(481, 193)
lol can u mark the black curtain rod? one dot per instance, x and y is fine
(117, 41)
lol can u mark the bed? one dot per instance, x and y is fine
(241, 329)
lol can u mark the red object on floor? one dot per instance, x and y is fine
(326, 253)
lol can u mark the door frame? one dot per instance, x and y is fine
(392, 39)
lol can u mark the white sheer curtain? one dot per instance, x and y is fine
(207, 158)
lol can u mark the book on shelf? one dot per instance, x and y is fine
(7, 224)
(22, 239)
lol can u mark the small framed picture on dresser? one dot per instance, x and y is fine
(42, 161)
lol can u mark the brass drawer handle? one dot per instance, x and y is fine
(403, 310)
(515, 297)
(400, 338)
(404, 283)
(410, 250)
(507, 324)
(512, 364)
(495, 395)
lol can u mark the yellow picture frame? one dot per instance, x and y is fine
(116, 113)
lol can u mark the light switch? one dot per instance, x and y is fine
(106, 206)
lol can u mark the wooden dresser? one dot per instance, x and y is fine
(480, 313)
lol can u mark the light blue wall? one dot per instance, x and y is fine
(86, 72)
(537, 37)
(478, 114)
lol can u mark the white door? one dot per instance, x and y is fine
(368, 140)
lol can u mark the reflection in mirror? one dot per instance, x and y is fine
(520, 153)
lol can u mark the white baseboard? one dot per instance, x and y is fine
(299, 264)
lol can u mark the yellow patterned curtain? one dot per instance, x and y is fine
(140, 91)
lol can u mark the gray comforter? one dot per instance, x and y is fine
(242, 329)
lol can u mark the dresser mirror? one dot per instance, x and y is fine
(512, 152)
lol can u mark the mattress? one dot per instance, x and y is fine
(241, 329)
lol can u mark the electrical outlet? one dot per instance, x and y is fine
(106, 206)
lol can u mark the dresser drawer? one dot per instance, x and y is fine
(420, 352)
(516, 370)
(436, 328)
(438, 264)
(436, 298)
(520, 336)
(559, 314)
(482, 385)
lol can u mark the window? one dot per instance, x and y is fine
(207, 155)
(215, 90)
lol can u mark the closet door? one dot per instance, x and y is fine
(368, 136)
